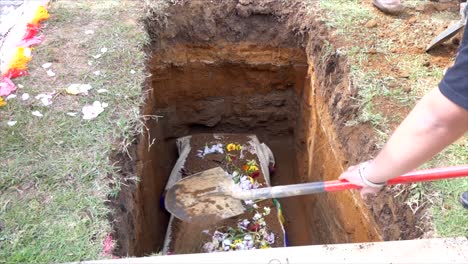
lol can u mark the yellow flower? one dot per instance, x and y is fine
(253, 168)
(20, 59)
(2, 103)
(41, 14)
(231, 147)
(264, 246)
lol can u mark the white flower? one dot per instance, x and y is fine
(257, 216)
(208, 247)
(227, 242)
(46, 99)
(76, 88)
(25, 96)
(92, 111)
(248, 202)
(36, 113)
(102, 91)
(104, 50)
(267, 210)
(11, 123)
(46, 65)
(243, 224)
(50, 73)
(270, 238)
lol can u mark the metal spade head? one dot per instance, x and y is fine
(204, 196)
(446, 34)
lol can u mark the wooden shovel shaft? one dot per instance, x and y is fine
(339, 185)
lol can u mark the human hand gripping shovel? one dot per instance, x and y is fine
(211, 195)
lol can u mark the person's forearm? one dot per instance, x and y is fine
(431, 126)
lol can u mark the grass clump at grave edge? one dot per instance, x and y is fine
(347, 18)
(55, 170)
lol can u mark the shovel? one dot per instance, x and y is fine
(211, 195)
(451, 30)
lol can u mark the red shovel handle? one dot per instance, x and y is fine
(415, 176)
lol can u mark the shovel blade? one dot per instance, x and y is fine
(204, 197)
(446, 35)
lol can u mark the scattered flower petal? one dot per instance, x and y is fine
(37, 113)
(77, 88)
(11, 96)
(132, 71)
(46, 99)
(104, 50)
(11, 123)
(25, 96)
(97, 72)
(90, 63)
(104, 105)
(6, 86)
(267, 210)
(50, 73)
(46, 65)
(92, 111)
(20, 86)
(72, 113)
(89, 32)
(97, 56)
(102, 91)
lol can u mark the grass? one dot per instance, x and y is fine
(347, 19)
(56, 170)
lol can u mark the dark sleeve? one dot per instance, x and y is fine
(454, 85)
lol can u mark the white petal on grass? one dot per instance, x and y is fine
(46, 99)
(11, 96)
(97, 56)
(90, 63)
(11, 123)
(25, 96)
(89, 32)
(36, 113)
(92, 111)
(20, 86)
(77, 88)
(46, 65)
(97, 72)
(72, 113)
(132, 71)
(50, 73)
(102, 91)
(104, 105)
(104, 50)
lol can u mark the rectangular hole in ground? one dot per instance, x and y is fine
(271, 99)
(261, 82)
